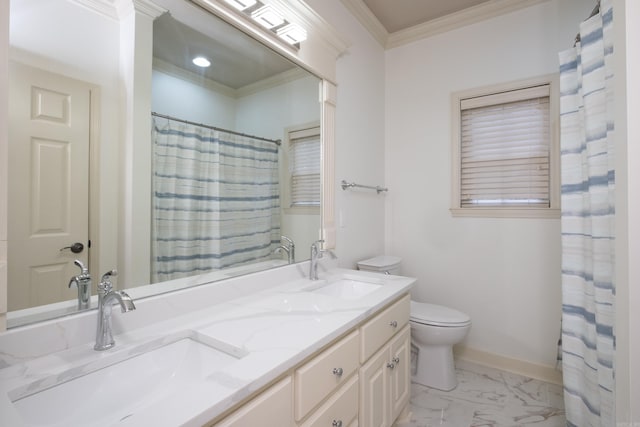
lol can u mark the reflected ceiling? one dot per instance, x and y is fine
(235, 61)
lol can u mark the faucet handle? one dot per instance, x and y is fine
(83, 277)
(105, 281)
(83, 269)
(106, 277)
(287, 240)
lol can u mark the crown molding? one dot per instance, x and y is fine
(269, 82)
(106, 8)
(301, 13)
(363, 14)
(115, 9)
(145, 7)
(481, 12)
(180, 73)
(472, 15)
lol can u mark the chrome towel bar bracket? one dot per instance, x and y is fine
(378, 189)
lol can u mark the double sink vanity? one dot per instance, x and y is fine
(271, 349)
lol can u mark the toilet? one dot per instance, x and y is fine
(435, 329)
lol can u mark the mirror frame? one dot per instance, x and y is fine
(318, 55)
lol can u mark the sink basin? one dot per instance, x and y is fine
(294, 303)
(111, 389)
(348, 288)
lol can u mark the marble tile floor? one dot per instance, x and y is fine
(487, 397)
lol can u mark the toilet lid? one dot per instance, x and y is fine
(437, 315)
(379, 262)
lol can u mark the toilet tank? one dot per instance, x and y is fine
(386, 264)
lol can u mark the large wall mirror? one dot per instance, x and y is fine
(230, 164)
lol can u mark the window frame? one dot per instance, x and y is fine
(286, 178)
(553, 210)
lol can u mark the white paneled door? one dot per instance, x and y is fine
(49, 134)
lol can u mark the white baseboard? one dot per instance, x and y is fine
(520, 367)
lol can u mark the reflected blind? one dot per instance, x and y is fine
(304, 167)
(505, 149)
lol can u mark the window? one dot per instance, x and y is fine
(505, 151)
(302, 184)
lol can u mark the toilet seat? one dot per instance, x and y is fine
(437, 315)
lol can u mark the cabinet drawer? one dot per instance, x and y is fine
(272, 408)
(342, 408)
(381, 328)
(315, 380)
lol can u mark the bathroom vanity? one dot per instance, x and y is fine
(269, 349)
(362, 379)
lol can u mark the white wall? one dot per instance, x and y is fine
(359, 150)
(268, 113)
(505, 273)
(4, 162)
(182, 99)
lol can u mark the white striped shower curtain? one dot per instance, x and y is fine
(216, 199)
(588, 259)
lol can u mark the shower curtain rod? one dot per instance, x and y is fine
(594, 12)
(164, 116)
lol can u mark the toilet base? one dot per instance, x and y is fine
(435, 367)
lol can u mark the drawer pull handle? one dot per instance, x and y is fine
(391, 365)
(396, 360)
(337, 372)
(336, 423)
(393, 324)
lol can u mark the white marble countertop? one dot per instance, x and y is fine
(269, 331)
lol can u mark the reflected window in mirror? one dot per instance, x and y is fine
(302, 185)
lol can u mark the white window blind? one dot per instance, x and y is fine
(505, 149)
(304, 167)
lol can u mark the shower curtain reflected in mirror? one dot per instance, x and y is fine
(216, 200)
(588, 213)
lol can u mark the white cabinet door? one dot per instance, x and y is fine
(272, 408)
(385, 382)
(399, 382)
(374, 391)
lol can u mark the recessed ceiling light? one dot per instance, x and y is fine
(292, 33)
(241, 4)
(267, 17)
(201, 61)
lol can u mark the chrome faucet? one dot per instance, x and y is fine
(292, 248)
(287, 245)
(316, 254)
(106, 297)
(281, 249)
(83, 282)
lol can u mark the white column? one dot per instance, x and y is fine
(136, 57)
(328, 130)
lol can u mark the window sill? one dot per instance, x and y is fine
(541, 213)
